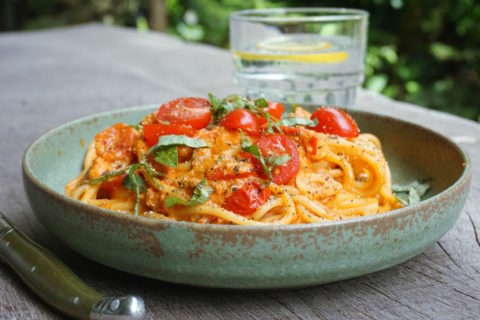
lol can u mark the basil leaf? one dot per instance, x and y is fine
(277, 160)
(220, 108)
(262, 103)
(232, 102)
(106, 176)
(167, 156)
(201, 194)
(290, 122)
(150, 170)
(177, 140)
(411, 193)
(166, 148)
(248, 147)
(134, 182)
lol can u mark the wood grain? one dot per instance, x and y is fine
(50, 77)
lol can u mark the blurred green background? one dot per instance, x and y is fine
(424, 52)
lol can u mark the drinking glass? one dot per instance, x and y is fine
(300, 55)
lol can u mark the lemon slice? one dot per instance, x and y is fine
(326, 57)
(294, 44)
(301, 48)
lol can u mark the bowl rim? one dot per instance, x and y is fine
(122, 216)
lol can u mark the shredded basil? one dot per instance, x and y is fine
(221, 107)
(107, 176)
(273, 160)
(262, 103)
(248, 147)
(290, 122)
(167, 156)
(177, 140)
(201, 194)
(166, 148)
(150, 170)
(132, 180)
(411, 193)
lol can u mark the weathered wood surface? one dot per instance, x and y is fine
(50, 77)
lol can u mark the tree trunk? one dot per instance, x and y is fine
(158, 15)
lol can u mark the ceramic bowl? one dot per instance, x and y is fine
(250, 257)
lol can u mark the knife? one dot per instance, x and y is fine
(57, 285)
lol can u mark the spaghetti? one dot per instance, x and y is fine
(237, 161)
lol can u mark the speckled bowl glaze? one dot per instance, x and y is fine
(250, 257)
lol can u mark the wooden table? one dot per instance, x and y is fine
(51, 77)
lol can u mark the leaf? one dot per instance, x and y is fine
(201, 194)
(411, 193)
(277, 160)
(177, 140)
(167, 156)
(232, 102)
(220, 108)
(166, 148)
(134, 182)
(106, 176)
(150, 170)
(262, 103)
(290, 122)
(248, 147)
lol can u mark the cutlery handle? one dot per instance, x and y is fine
(56, 284)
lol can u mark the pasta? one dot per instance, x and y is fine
(224, 172)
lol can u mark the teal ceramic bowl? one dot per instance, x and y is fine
(250, 257)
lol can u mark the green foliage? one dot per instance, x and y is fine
(424, 52)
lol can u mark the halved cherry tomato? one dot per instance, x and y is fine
(194, 112)
(335, 121)
(220, 174)
(242, 119)
(278, 145)
(152, 131)
(246, 200)
(275, 109)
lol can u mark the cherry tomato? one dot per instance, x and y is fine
(278, 145)
(242, 119)
(246, 200)
(335, 121)
(151, 132)
(275, 109)
(194, 112)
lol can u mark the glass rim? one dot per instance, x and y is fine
(341, 14)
